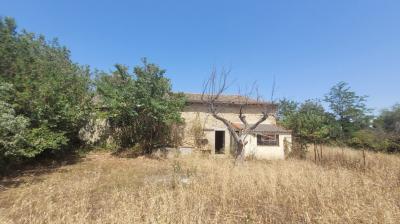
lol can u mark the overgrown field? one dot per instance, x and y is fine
(106, 189)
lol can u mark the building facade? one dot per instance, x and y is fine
(205, 133)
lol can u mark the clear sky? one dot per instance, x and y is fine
(307, 45)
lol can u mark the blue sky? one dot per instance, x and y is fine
(307, 45)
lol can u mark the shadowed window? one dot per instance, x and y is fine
(268, 139)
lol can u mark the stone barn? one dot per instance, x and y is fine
(203, 132)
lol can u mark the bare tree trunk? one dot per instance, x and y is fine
(212, 90)
(239, 153)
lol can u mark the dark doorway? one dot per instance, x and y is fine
(219, 142)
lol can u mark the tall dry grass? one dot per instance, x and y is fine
(105, 189)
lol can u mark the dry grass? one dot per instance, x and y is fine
(106, 189)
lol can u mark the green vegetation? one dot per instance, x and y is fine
(45, 97)
(389, 120)
(348, 122)
(309, 122)
(140, 107)
(349, 109)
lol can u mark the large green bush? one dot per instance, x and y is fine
(44, 93)
(309, 121)
(389, 120)
(13, 130)
(140, 108)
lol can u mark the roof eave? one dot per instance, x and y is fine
(234, 103)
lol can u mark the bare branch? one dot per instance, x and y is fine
(273, 90)
(214, 87)
(229, 125)
(254, 126)
(242, 117)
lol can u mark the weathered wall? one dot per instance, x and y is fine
(230, 112)
(199, 113)
(267, 152)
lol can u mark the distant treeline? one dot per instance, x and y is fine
(348, 122)
(46, 99)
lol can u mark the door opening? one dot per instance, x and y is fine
(219, 142)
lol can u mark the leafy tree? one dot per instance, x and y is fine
(349, 109)
(365, 139)
(287, 110)
(117, 97)
(389, 120)
(309, 122)
(49, 91)
(313, 123)
(13, 128)
(387, 130)
(140, 107)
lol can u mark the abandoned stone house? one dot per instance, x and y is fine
(203, 132)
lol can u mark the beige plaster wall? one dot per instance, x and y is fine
(253, 114)
(267, 152)
(198, 112)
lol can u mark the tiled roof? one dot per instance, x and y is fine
(268, 128)
(225, 99)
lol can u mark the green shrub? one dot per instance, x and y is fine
(140, 107)
(45, 97)
(375, 140)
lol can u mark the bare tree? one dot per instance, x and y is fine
(213, 88)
